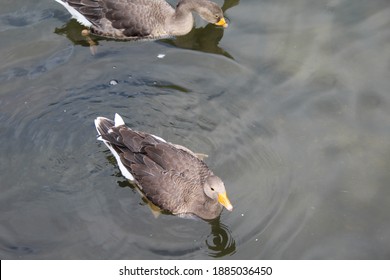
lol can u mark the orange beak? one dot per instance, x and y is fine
(222, 22)
(224, 200)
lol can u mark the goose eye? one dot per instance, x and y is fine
(212, 189)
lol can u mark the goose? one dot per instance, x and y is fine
(141, 19)
(170, 176)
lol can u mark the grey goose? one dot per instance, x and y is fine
(135, 19)
(170, 176)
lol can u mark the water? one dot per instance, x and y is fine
(290, 102)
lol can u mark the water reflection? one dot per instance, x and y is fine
(205, 39)
(72, 30)
(220, 241)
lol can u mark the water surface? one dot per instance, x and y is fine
(291, 103)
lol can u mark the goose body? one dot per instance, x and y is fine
(135, 19)
(169, 175)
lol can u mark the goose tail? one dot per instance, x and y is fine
(75, 14)
(105, 134)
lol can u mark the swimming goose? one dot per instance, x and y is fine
(136, 19)
(169, 175)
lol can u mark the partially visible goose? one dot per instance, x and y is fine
(169, 175)
(149, 19)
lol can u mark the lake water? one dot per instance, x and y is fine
(291, 102)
